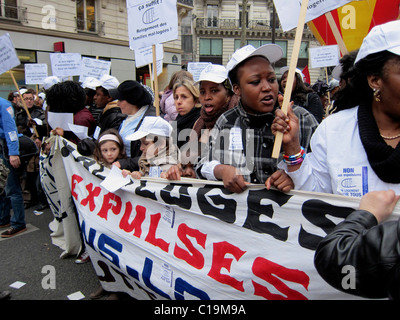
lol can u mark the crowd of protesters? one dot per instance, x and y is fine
(230, 116)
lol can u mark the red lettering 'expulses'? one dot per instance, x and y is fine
(271, 272)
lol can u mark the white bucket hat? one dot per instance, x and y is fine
(272, 52)
(382, 37)
(91, 83)
(108, 82)
(152, 125)
(214, 73)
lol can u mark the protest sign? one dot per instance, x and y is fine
(35, 73)
(159, 240)
(65, 64)
(151, 22)
(95, 68)
(354, 21)
(325, 56)
(8, 56)
(144, 56)
(289, 10)
(195, 68)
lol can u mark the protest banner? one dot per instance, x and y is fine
(8, 60)
(195, 68)
(151, 22)
(144, 56)
(95, 68)
(326, 56)
(289, 10)
(353, 21)
(35, 73)
(8, 56)
(65, 64)
(155, 239)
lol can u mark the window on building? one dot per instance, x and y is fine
(86, 15)
(303, 55)
(210, 50)
(9, 9)
(212, 15)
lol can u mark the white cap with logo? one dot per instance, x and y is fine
(214, 73)
(272, 52)
(152, 125)
(381, 37)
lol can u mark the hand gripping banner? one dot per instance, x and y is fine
(159, 240)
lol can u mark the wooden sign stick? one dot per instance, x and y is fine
(156, 99)
(23, 101)
(336, 33)
(292, 69)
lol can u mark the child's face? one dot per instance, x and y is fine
(213, 96)
(150, 148)
(258, 86)
(184, 100)
(109, 151)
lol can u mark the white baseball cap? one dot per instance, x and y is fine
(50, 81)
(284, 69)
(108, 82)
(213, 72)
(152, 125)
(91, 83)
(272, 52)
(381, 37)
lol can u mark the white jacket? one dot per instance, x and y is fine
(338, 162)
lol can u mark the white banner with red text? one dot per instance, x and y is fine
(160, 240)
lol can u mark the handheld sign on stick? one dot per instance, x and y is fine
(292, 70)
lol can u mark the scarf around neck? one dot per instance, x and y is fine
(384, 160)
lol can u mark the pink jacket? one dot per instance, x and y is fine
(167, 105)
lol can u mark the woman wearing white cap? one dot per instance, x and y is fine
(364, 241)
(241, 142)
(216, 97)
(356, 150)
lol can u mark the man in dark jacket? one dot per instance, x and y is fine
(111, 116)
(361, 255)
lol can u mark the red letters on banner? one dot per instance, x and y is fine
(262, 268)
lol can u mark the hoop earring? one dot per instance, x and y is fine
(377, 95)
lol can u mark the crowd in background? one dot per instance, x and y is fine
(351, 120)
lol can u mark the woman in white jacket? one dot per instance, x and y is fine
(356, 150)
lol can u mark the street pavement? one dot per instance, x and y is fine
(32, 259)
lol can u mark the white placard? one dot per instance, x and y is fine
(60, 120)
(65, 64)
(35, 73)
(195, 68)
(151, 22)
(94, 68)
(289, 10)
(8, 56)
(144, 56)
(326, 56)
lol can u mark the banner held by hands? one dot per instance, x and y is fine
(291, 73)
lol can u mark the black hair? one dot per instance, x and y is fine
(67, 96)
(357, 90)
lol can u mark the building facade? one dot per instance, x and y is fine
(217, 31)
(209, 31)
